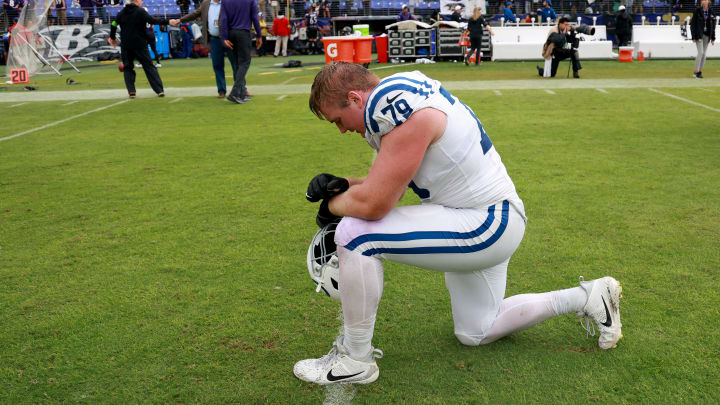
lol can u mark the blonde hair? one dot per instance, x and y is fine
(476, 13)
(333, 83)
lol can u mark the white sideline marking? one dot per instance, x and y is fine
(72, 102)
(685, 100)
(394, 65)
(602, 91)
(289, 80)
(281, 97)
(52, 124)
(708, 90)
(548, 91)
(278, 89)
(17, 105)
(497, 92)
(176, 100)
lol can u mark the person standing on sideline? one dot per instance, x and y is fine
(235, 20)
(100, 11)
(546, 13)
(184, 6)
(702, 28)
(405, 14)
(261, 51)
(150, 32)
(311, 24)
(281, 29)
(209, 14)
(60, 10)
(623, 26)
(508, 13)
(475, 31)
(87, 10)
(468, 225)
(132, 20)
(457, 14)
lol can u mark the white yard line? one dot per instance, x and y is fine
(176, 100)
(708, 90)
(281, 97)
(289, 80)
(17, 105)
(497, 92)
(602, 91)
(70, 103)
(548, 91)
(279, 89)
(685, 100)
(52, 124)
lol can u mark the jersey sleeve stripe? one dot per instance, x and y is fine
(384, 91)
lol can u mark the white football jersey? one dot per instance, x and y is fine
(462, 169)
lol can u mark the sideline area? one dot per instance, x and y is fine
(305, 89)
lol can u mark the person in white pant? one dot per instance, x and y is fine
(281, 29)
(702, 29)
(469, 224)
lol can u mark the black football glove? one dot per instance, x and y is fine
(325, 186)
(324, 215)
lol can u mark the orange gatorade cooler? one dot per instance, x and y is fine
(381, 44)
(625, 54)
(363, 50)
(339, 49)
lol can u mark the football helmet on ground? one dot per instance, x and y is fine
(322, 261)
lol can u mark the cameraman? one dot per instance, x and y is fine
(562, 43)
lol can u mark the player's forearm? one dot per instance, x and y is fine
(358, 202)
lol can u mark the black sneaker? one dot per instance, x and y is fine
(236, 100)
(161, 94)
(699, 75)
(540, 70)
(576, 74)
(466, 62)
(131, 94)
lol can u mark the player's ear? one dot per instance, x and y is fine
(354, 97)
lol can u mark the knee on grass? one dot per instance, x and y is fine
(471, 340)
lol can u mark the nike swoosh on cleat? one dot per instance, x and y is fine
(332, 377)
(390, 100)
(608, 320)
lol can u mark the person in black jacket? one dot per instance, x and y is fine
(702, 28)
(623, 27)
(132, 20)
(475, 32)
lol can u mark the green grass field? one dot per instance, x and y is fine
(154, 252)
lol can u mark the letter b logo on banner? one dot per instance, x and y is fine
(332, 50)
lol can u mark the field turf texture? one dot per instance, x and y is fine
(154, 251)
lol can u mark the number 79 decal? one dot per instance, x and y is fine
(401, 106)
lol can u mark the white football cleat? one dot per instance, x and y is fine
(338, 367)
(603, 306)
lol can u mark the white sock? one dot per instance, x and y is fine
(568, 301)
(361, 286)
(520, 312)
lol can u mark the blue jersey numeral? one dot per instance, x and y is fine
(401, 106)
(485, 141)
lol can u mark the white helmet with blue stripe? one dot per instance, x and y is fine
(323, 263)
